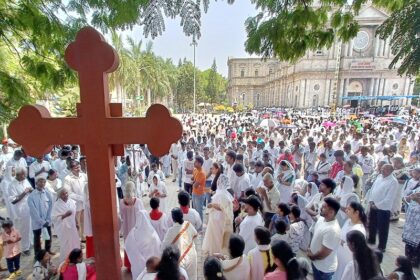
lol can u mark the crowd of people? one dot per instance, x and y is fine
(305, 196)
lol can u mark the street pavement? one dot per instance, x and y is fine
(395, 246)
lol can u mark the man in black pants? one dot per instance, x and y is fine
(40, 205)
(382, 197)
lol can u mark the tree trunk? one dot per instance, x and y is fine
(149, 97)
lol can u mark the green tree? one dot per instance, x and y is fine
(212, 84)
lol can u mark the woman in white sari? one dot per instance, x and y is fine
(63, 216)
(9, 175)
(286, 179)
(141, 243)
(182, 235)
(219, 226)
(356, 221)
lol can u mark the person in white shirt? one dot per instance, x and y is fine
(173, 152)
(259, 257)
(187, 170)
(155, 172)
(310, 158)
(367, 163)
(256, 180)
(381, 199)
(325, 241)
(61, 164)
(207, 165)
(181, 157)
(39, 167)
(270, 197)
(75, 183)
(190, 214)
(5, 156)
(241, 182)
(19, 190)
(323, 167)
(250, 222)
(18, 160)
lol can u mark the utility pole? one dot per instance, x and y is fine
(194, 44)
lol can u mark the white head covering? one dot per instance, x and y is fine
(313, 192)
(222, 187)
(141, 243)
(129, 189)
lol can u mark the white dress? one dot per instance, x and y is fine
(161, 226)
(219, 223)
(22, 219)
(67, 233)
(344, 255)
(141, 243)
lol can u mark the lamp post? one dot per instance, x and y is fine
(194, 44)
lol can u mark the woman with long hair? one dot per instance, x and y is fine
(404, 270)
(356, 221)
(364, 265)
(216, 170)
(168, 268)
(286, 262)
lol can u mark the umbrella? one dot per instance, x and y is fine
(398, 120)
(291, 126)
(265, 116)
(268, 123)
(389, 115)
(328, 124)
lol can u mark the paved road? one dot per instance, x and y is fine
(395, 245)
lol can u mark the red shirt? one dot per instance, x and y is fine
(335, 168)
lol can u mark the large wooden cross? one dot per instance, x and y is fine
(101, 131)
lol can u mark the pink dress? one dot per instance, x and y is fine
(276, 275)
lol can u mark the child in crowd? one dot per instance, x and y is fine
(151, 269)
(283, 211)
(158, 219)
(281, 231)
(11, 244)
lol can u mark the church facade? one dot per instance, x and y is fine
(322, 77)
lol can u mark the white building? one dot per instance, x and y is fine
(361, 69)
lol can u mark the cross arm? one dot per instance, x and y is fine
(37, 132)
(158, 129)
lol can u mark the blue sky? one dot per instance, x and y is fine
(222, 35)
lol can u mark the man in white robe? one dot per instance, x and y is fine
(19, 190)
(63, 216)
(251, 221)
(142, 243)
(75, 184)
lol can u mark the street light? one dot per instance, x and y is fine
(194, 44)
